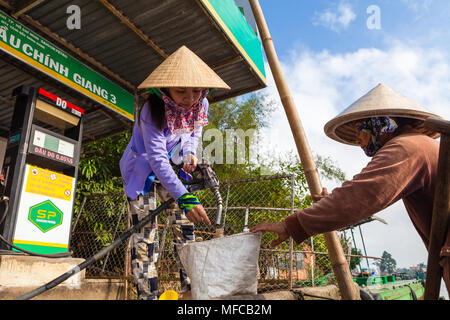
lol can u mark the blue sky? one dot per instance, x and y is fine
(295, 23)
(331, 58)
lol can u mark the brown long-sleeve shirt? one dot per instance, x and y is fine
(404, 168)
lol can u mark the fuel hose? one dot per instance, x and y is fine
(98, 255)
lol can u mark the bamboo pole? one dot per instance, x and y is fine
(441, 211)
(127, 258)
(337, 257)
(291, 243)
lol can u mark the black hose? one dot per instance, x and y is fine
(52, 255)
(98, 255)
(5, 212)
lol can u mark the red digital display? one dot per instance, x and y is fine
(60, 102)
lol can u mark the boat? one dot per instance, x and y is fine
(390, 287)
(397, 286)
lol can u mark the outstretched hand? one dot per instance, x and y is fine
(317, 197)
(278, 228)
(198, 214)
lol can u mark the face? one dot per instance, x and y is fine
(362, 137)
(185, 97)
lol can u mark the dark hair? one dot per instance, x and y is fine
(156, 105)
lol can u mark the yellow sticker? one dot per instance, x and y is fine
(49, 183)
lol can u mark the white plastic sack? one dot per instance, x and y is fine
(222, 266)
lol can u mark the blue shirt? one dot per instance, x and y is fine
(147, 152)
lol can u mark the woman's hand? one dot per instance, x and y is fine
(192, 208)
(198, 214)
(317, 197)
(190, 163)
(278, 228)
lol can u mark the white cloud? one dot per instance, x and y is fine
(417, 5)
(336, 19)
(324, 84)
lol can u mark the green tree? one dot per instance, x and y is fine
(98, 170)
(248, 115)
(355, 261)
(388, 265)
(252, 112)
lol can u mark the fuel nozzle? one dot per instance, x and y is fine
(207, 179)
(212, 183)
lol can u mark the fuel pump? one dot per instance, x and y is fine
(40, 172)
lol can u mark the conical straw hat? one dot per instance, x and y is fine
(380, 101)
(183, 68)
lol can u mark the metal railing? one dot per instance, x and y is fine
(102, 217)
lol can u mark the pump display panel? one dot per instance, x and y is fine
(52, 146)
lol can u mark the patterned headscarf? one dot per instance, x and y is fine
(376, 127)
(181, 120)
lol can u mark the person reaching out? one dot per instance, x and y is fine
(389, 129)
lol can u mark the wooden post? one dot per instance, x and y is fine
(337, 257)
(441, 210)
(291, 242)
(127, 262)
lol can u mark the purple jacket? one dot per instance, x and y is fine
(147, 152)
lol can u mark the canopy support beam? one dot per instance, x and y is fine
(133, 27)
(25, 7)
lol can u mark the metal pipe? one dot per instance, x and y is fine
(321, 253)
(127, 255)
(264, 178)
(226, 205)
(114, 235)
(312, 261)
(364, 247)
(356, 249)
(219, 207)
(219, 227)
(220, 224)
(79, 214)
(251, 208)
(291, 242)
(246, 229)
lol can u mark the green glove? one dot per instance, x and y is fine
(187, 202)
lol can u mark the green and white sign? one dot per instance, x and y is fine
(24, 44)
(45, 216)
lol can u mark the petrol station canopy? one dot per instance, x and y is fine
(99, 66)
